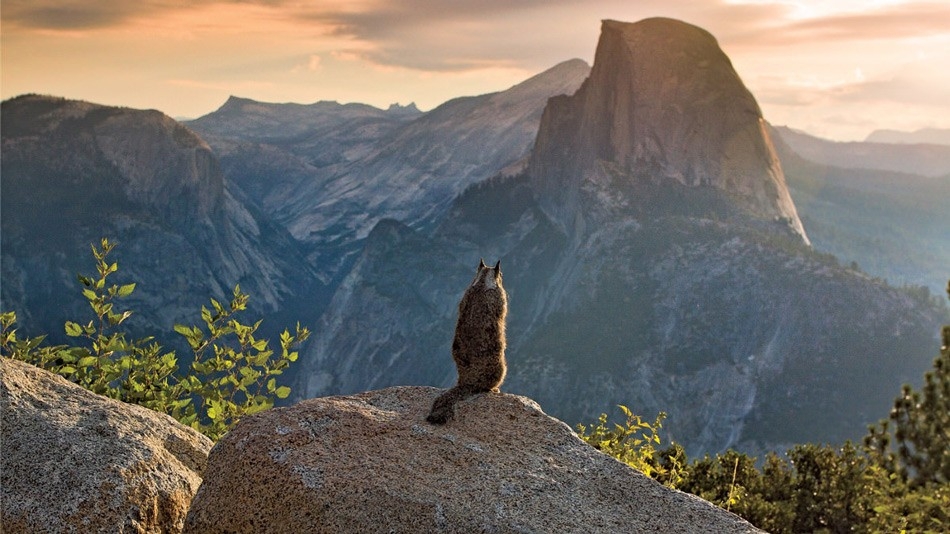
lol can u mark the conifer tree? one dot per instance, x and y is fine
(919, 426)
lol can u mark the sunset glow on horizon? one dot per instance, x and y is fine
(838, 72)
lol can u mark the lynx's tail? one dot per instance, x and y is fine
(444, 405)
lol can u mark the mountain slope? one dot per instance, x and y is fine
(329, 188)
(893, 224)
(74, 172)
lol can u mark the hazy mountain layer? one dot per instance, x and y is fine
(894, 225)
(933, 136)
(922, 159)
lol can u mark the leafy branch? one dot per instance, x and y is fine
(233, 373)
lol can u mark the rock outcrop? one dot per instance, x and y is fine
(662, 101)
(74, 461)
(370, 463)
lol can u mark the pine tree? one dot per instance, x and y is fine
(921, 426)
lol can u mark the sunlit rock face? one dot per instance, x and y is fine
(662, 100)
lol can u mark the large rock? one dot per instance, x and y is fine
(662, 102)
(74, 461)
(370, 463)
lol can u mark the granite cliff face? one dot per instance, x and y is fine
(74, 172)
(662, 101)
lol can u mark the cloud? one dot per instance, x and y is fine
(73, 14)
(439, 35)
(311, 63)
(98, 14)
(60, 17)
(906, 88)
(894, 21)
(454, 36)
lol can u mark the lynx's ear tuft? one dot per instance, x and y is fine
(498, 268)
(481, 264)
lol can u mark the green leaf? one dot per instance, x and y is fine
(73, 329)
(282, 392)
(126, 290)
(87, 361)
(256, 408)
(183, 330)
(73, 354)
(90, 294)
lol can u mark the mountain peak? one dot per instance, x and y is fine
(662, 100)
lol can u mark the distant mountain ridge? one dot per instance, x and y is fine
(933, 136)
(251, 120)
(922, 159)
(893, 224)
(334, 185)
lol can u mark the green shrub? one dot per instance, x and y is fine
(232, 374)
(635, 444)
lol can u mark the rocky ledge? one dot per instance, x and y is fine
(370, 463)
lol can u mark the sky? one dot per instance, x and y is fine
(838, 69)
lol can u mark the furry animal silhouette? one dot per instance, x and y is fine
(479, 344)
